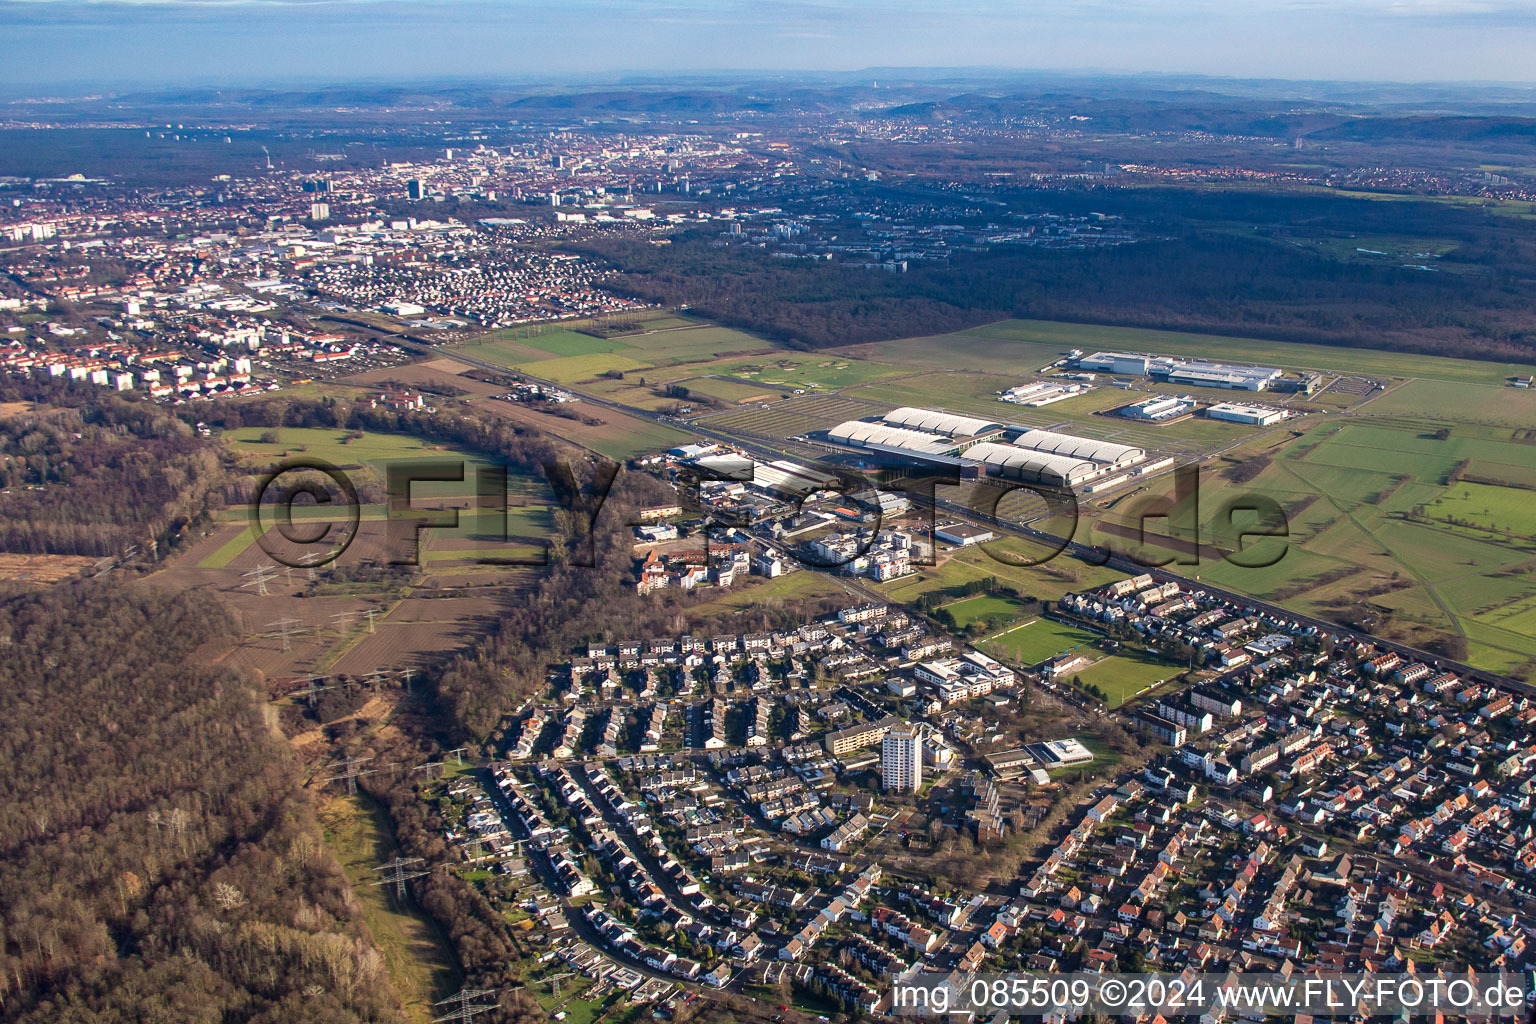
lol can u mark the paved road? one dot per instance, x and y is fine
(1089, 553)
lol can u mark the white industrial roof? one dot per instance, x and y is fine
(782, 475)
(1078, 447)
(1240, 407)
(858, 432)
(938, 422)
(1027, 462)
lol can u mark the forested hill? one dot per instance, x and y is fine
(92, 474)
(157, 860)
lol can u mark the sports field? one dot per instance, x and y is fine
(1041, 639)
(1124, 676)
(984, 608)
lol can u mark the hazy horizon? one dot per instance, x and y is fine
(58, 43)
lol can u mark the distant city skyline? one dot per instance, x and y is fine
(55, 43)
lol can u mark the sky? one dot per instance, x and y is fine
(50, 44)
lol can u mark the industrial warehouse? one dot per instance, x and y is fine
(1194, 372)
(985, 447)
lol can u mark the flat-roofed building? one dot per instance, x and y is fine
(1008, 764)
(1198, 372)
(1116, 362)
(1238, 412)
(856, 737)
(901, 761)
(1221, 375)
(963, 534)
(1161, 408)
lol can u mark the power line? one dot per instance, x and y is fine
(259, 577)
(397, 872)
(312, 688)
(348, 769)
(467, 1004)
(284, 626)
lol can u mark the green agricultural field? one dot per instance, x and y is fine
(375, 451)
(1349, 488)
(695, 343)
(1459, 403)
(1041, 639)
(804, 584)
(229, 550)
(630, 390)
(485, 533)
(638, 437)
(972, 394)
(1504, 473)
(529, 515)
(662, 341)
(499, 350)
(1045, 577)
(521, 553)
(1297, 566)
(1406, 447)
(808, 371)
(1046, 581)
(574, 369)
(573, 343)
(733, 391)
(950, 573)
(1497, 508)
(372, 449)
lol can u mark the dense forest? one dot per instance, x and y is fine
(92, 474)
(1194, 271)
(157, 860)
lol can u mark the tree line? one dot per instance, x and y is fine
(157, 858)
(1193, 279)
(91, 473)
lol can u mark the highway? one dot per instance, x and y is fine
(1088, 553)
